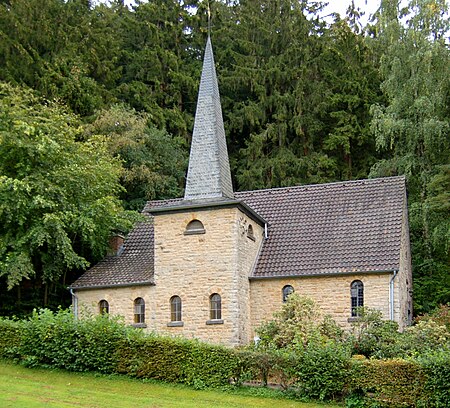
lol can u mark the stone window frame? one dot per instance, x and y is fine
(215, 309)
(176, 306)
(139, 312)
(103, 307)
(194, 227)
(286, 291)
(356, 298)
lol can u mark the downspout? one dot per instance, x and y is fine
(266, 233)
(75, 303)
(391, 295)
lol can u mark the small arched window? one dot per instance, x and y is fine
(287, 290)
(250, 233)
(194, 227)
(139, 310)
(357, 296)
(175, 309)
(103, 307)
(215, 307)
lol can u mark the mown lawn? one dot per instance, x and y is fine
(28, 388)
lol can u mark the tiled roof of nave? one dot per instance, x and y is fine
(344, 227)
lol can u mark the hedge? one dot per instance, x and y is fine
(10, 338)
(389, 382)
(320, 371)
(177, 360)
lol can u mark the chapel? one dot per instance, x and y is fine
(216, 263)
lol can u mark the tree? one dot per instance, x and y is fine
(58, 196)
(154, 162)
(413, 131)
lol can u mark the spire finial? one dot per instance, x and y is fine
(209, 21)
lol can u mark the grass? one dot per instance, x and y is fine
(26, 387)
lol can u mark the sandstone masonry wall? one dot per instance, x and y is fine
(194, 267)
(121, 300)
(331, 294)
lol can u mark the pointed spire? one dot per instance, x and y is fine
(209, 169)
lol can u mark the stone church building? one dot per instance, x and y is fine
(217, 263)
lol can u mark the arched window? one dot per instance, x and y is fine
(175, 309)
(215, 307)
(250, 232)
(103, 306)
(287, 290)
(139, 310)
(357, 296)
(194, 227)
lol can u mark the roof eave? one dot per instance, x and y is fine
(327, 274)
(113, 285)
(208, 205)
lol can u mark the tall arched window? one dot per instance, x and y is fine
(103, 306)
(175, 309)
(139, 310)
(287, 290)
(215, 307)
(357, 296)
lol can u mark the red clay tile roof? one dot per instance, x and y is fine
(335, 228)
(134, 265)
(346, 227)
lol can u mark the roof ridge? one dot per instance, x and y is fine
(323, 185)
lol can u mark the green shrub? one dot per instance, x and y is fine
(436, 366)
(372, 336)
(10, 338)
(389, 383)
(58, 340)
(178, 360)
(322, 370)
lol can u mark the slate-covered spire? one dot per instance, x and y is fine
(209, 169)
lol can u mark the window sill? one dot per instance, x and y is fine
(175, 324)
(214, 321)
(353, 319)
(139, 325)
(194, 232)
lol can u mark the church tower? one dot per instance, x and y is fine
(205, 244)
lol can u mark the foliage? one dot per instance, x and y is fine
(373, 336)
(391, 383)
(10, 332)
(177, 360)
(303, 350)
(322, 370)
(58, 196)
(440, 315)
(413, 132)
(436, 366)
(295, 325)
(58, 340)
(154, 162)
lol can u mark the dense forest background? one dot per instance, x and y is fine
(98, 100)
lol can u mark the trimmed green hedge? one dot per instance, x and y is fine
(10, 338)
(320, 371)
(177, 360)
(389, 382)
